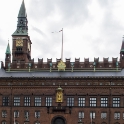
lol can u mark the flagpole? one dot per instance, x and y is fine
(62, 46)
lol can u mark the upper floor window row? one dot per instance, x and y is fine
(70, 101)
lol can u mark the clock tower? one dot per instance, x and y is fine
(21, 48)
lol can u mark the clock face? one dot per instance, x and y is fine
(19, 42)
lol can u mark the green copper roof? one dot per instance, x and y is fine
(122, 50)
(22, 12)
(20, 32)
(22, 23)
(8, 49)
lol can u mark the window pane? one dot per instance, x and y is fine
(37, 101)
(81, 115)
(4, 113)
(16, 101)
(103, 115)
(92, 102)
(16, 114)
(92, 115)
(37, 114)
(116, 102)
(26, 101)
(48, 101)
(116, 115)
(70, 101)
(104, 102)
(5, 101)
(81, 101)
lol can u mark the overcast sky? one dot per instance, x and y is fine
(91, 28)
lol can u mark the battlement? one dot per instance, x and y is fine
(76, 65)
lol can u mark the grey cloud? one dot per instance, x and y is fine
(72, 11)
(103, 3)
(38, 31)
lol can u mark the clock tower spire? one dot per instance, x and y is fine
(22, 25)
(21, 49)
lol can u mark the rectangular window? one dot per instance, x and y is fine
(37, 101)
(16, 101)
(4, 122)
(92, 102)
(116, 102)
(92, 115)
(81, 101)
(4, 113)
(37, 122)
(81, 115)
(26, 101)
(16, 122)
(37, 114)
(48, 101)
(26, 115)
(5, 101)
(70, 101)
(117, 115)
(104, 102)
(16, 114)
(103, 115)
(123, 115)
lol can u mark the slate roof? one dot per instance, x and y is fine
(16, 74)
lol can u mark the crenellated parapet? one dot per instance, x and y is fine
(85, 65)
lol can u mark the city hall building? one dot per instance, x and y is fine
(61, 92)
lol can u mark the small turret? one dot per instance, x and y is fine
(122, 54)
(8, 56)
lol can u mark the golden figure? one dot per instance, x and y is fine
(61, 66)
(59, 94)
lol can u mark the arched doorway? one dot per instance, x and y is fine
(58, 120)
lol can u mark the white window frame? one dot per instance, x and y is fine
(26, 115)
(117, 115)
(81, 101)
(92, 115)
(93, 102)
(37, 114)
(4, 122)
(103, 115)
(16, 101)
(70, 101)
(4, 113)
(16, 114)
(27, 101)
(81, 115)
(116, 101)
(48, 101)
(37, 101)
